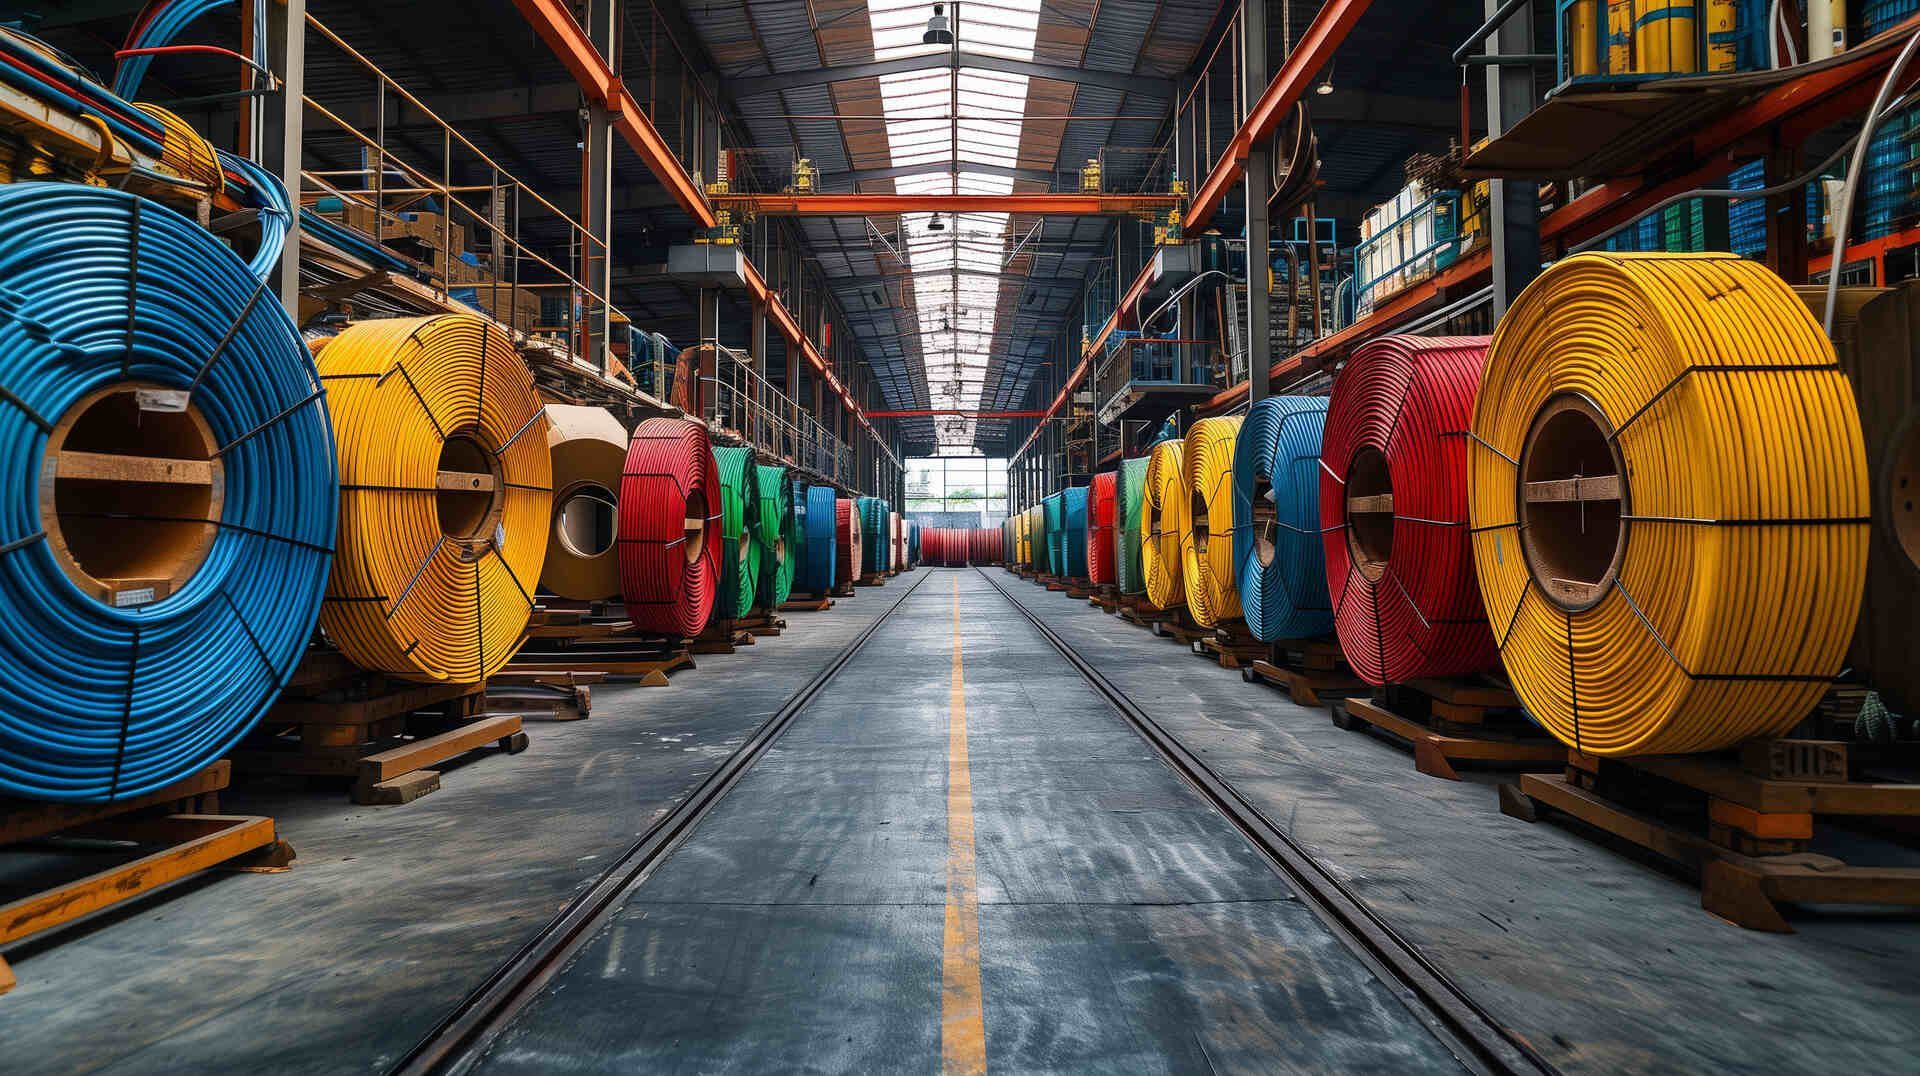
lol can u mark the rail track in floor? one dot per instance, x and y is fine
(1476, 1037)
(465, 1033)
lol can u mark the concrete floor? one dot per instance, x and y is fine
(1122, 925)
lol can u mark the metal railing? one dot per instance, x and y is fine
(737, 401)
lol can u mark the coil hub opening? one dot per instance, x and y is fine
(1904, 489)
(1201, 531)
(1265, 520)
(469, 490)
(694, 527)
(586, 521)
(1571, 495)
(1370, 512)
(131, 492)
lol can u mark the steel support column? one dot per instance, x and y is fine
(1514, 205)
(1259, 181)
(282, 129)
(603, 23)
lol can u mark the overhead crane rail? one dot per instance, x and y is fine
(881, 205)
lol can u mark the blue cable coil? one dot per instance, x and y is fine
(873, 534)
(1281, 566)
(913, 542)
(1073, 546)
(1054, 512)
(817, 562)
(102, 292)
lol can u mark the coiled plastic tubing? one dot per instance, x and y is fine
(1053, 520)
(1276, 509)
(739, 517)
(145, 628)
(1073, 539)
(1206, 542)
(669, 527)
(777, 536)
(446, 496)
(1393, 510)
(849, 543)
(815, 527)
(1100, 532)
(1163, 518)
(1670, 503)
(1128, 491)
(873, 535)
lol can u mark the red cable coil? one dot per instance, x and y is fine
(1406, 603)
(846, 535)
(669, 527)
(1100, 532)
(984, 545)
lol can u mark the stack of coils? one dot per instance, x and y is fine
(446, 496)
(145, 626)
(669, 539)
(1100, 533)
(739, 551)
(820, 551)
(1276, 505)
(849, 543)
(1669, 503)
(1206, 550)
(1163, 520)
(1073, 545)
(1393, 510)
(775, 535)
(589, 449)
(1129, 491)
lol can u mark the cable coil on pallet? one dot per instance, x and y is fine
(1073, 541)
(170, 502)
(1163, 518)
(446, 496)
(1276, 506)
(739, 551)
(1129, 490)
(848, 542)
(1100, 532)
(873, 535)
(1669, 503)
(669, 527)
(777, 535)
(819, 550)
(1206, 545)
(589, 449)
(1393, 510)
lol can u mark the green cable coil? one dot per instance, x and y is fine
(778, 535)
(1128, 493)
(739, 516)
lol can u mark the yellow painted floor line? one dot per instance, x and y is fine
(963, 1030)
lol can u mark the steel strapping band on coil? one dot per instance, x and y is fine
(1206, 545)
(776, 536)
(1163, 515)
(1129, 490)
(1055, 510)
(670, 527)
(1276, 509)
(849, 543)
(1393, 510)
(112, 683)
(446, 496)
(739, 514)
(818, 525)
(589, 449)
(1073, 543)
(1670, 504)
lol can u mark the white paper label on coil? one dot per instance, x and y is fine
(136, 596)
(169, 400)
(500, 536)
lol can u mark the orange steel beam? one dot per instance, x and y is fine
(784, 320)
(570, 44)
(1322, 39)
(881, 205)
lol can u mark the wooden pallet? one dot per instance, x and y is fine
(1105, 597)
(1177, 624)
(1232, 645)
(871, 579)
(182, 819)
(563, 696)
(1312, 671)
(763, 624)
(722, 635)
(379, 732)
(1743, 825)
(1453, 721)
(631, 656)
(1053, 583)
(844, 590)
(818, 603)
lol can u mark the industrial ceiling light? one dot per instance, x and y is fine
(1326, 84)
(934, 225)
(937, 32)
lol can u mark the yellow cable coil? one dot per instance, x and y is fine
(1163, 518)
(589, 450)
(445, 492)
(1668, 495)
(1206, 539)
(1021, 538)
(184, 153)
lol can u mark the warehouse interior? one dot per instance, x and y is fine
(797, 535)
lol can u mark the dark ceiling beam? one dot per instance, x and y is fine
(940, 61)
(936, 168)
(1364, 108)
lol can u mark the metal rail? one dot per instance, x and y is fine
(460, 1038)
(1476, 1037)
